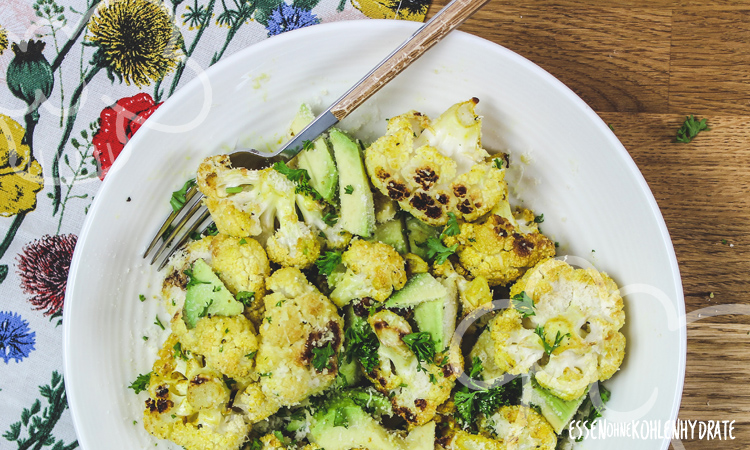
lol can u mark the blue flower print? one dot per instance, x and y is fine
(289, 17)
(16, 339)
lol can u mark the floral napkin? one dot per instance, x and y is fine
(77, 80)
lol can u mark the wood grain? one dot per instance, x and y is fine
(643, 66)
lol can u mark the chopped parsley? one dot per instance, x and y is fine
(321, 359)
(256, 445)
(300, 177)
(690, 129)
(499, 162)
(307, 145)
(245, 297)
(192, 280)
(178, 197)
(340, 419)
(141, 383)
(330, 218)
(452, 228)
(423, 347)
(234, 190)
(362, 345)
(549, 348)
(211, 230)
(252, 354)
(437, 251)
(158, 322)
(590, 411)
(348, 189)
(204, 312)
(142, 297)
(539, 218)
(486, 401)
(328, 261)
(523, 304)
(243, 241)
(179, 353)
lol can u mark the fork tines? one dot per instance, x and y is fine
(185, 227)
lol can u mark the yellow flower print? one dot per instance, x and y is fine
(137, 39)
(393, 9)
(3, 40)
(20, 175)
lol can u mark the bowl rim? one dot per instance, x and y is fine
(386, 25)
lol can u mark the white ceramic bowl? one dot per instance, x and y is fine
(567, 165)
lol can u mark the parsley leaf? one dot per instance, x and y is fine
(307, 145)
(178, 197)
(340, 419)
(192, 280)
(179, 353)
(438, 251)
(423, 347)
(321, 359)
(451, 228)
(300, 177)
(499, 162)
(486, 401)
(539, 218)
(158, 322)
(141, 297)
(245, 297)
(141, 383)
(549, 348)
(328, 261)
(362, 345)
(252, 354)
(690, 129)
(330, 218)
(523, 304)
(204, 312)
(348, 189)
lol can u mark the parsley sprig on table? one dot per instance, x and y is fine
(690, 129)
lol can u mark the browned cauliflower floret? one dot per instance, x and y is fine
(498, 250)
(264, 204)
(369, 269)
(436, 167)
(224, 343)
(509, 428)
(416, 388)
(240, 263)
(578, 312)
(299, 339)
(189, 403)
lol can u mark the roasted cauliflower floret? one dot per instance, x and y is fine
(368, 269)
(416, 388)
(264, 204)
(435, 167)
(578, 312)
(498, 250)
(240, 263)
(509, 428)
(189, 403)
(299, 339)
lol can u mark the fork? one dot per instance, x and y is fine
(429, 34)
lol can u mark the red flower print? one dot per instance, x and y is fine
(43, 266)
(117, 124)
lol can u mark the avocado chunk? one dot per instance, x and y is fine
(418, 233)
(357, 204)
(438, 317)
(557, 411)
(392, 233)
(317, 160)
(420, 288)
(206, 294)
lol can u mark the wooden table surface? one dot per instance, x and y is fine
(643, 66)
